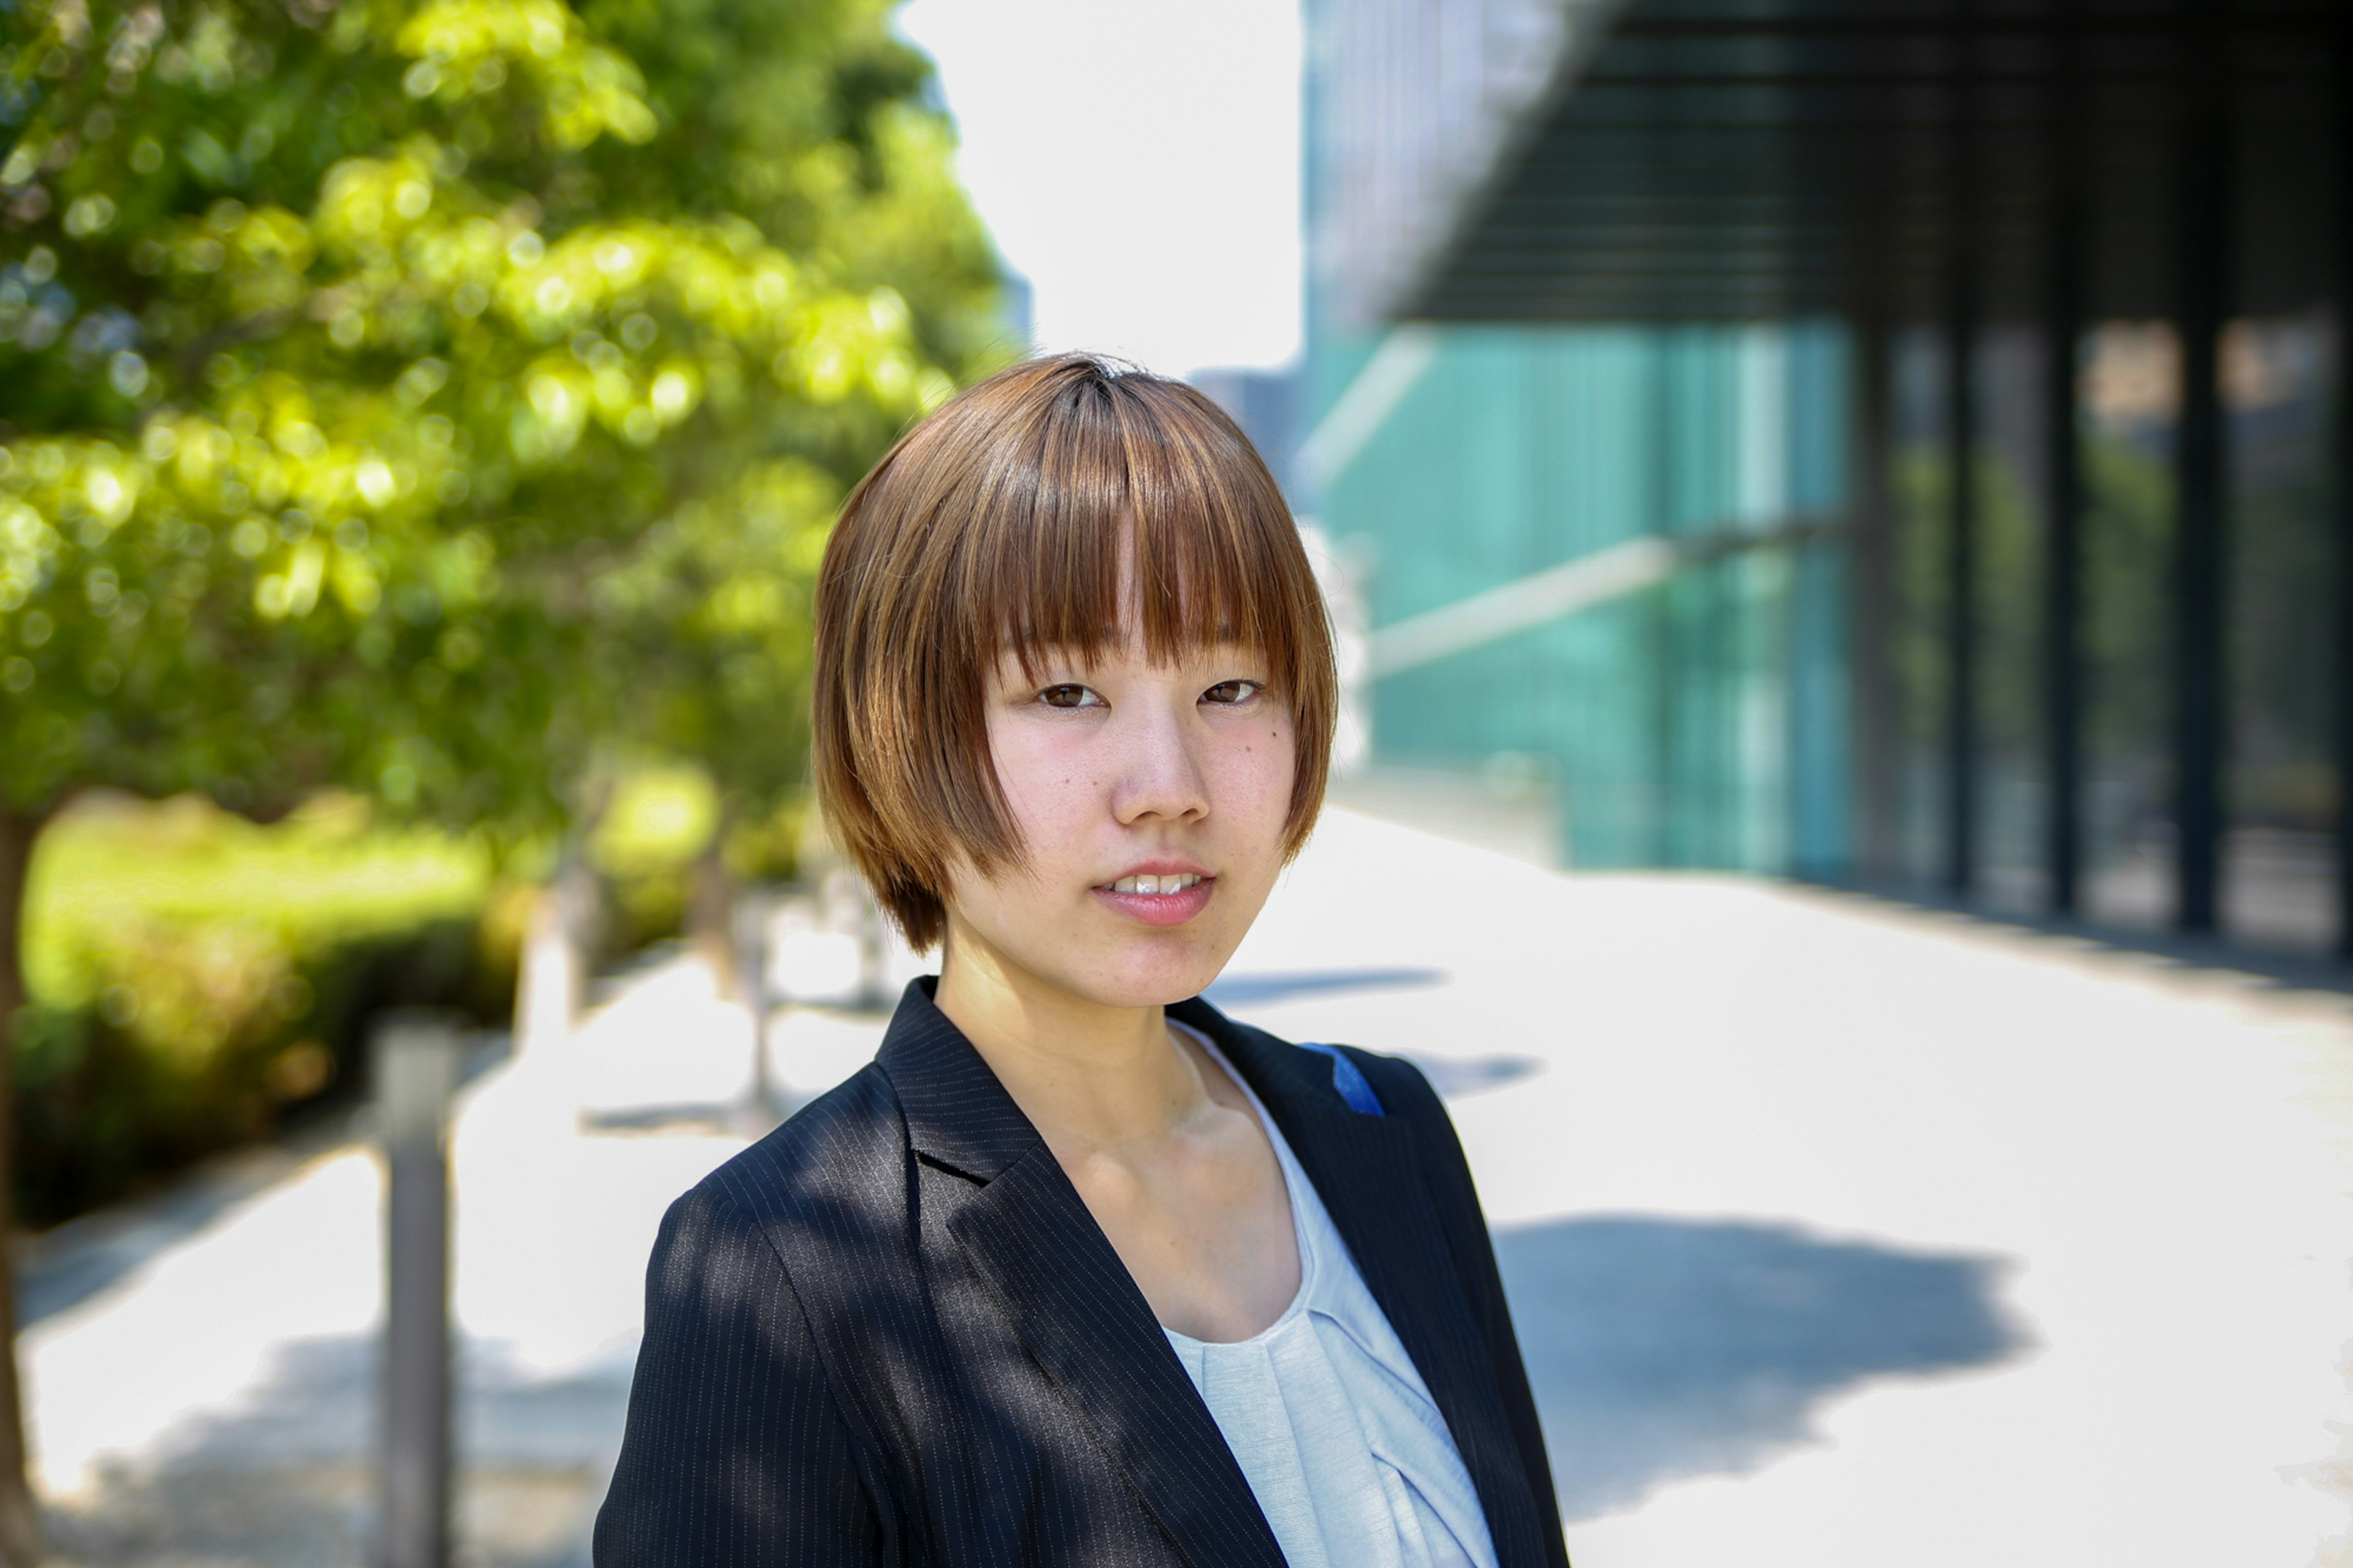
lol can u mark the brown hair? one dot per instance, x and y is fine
(1000, 522)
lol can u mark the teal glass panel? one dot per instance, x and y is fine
(1700, 720)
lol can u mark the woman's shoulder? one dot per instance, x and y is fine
(828, 1164)
(1365, 1081)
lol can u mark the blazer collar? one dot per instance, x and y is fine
(957, 1113)
(1079, 1314)
(1072, 1302)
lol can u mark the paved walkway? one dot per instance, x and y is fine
(1839, 1234)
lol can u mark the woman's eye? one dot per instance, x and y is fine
(1068, 695)
(1230, 692)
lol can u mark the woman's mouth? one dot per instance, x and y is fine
(1167, 898)
(1174, 882)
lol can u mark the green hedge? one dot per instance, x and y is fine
(195, 979)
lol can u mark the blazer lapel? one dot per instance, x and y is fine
(1367, 1169)
(1069, 1298)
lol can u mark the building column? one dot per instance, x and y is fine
(2062, 569)
(2200, 740)
(2344, 498)
(1871, 600)
(1960, 446)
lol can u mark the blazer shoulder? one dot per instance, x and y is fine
(1292, 1068)
(744, 1442)
(840, 1148)
(1403, 1088)
(1407, 1093)
(1395, 1080)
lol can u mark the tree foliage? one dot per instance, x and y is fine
(427, 398)
(420, 396)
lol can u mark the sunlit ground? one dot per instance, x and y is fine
(1845, 1234)
(1838, 1233)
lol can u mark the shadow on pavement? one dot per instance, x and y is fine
(1454, 1076)
(286, 1479)
(692, 1117)
(62, 1268)
(1666, 1349)
(1660, 1350)
(1278, 986)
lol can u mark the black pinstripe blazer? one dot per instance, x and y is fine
(891, 1332)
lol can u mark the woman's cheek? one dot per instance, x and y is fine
(1258, 772)
(1051, 796)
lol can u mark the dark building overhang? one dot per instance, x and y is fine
(1748, 159)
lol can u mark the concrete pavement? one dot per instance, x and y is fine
(1837, 1232)
(1841, 1233)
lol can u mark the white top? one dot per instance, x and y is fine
(1334, 1430)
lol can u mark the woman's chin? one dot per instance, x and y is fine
(1151, 974)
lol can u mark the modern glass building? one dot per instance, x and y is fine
(1896, 441)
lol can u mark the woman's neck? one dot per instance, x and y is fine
(1092, 1079)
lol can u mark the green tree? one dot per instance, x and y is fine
(423, 396)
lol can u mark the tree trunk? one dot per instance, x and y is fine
(558, 955)
(20, 1525)
(711, 911)
(548, 980)
(559, 947)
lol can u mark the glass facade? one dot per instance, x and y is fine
(1700, 720)
(1976, 381)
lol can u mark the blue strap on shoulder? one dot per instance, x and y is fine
(1349, 1079)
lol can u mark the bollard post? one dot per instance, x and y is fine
(873, 976)
(415, 1057)
(751, 914)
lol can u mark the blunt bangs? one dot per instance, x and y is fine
(1062, 506)
(1126, 475)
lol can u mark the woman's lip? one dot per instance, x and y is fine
(1160, 909)
(1159, 868)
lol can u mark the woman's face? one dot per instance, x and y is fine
(1125, 776)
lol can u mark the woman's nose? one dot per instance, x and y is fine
(1160, 775)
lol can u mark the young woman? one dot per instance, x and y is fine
(1079, 1271)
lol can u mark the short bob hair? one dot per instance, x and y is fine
(1000, 523)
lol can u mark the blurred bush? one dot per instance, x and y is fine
(660, 821)
(766, 846)
(196, 978)
(666, 831)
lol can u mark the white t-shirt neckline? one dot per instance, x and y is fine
(1327, 1417)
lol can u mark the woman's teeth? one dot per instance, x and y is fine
(1176, 881)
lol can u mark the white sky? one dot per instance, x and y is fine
(1138, 161)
